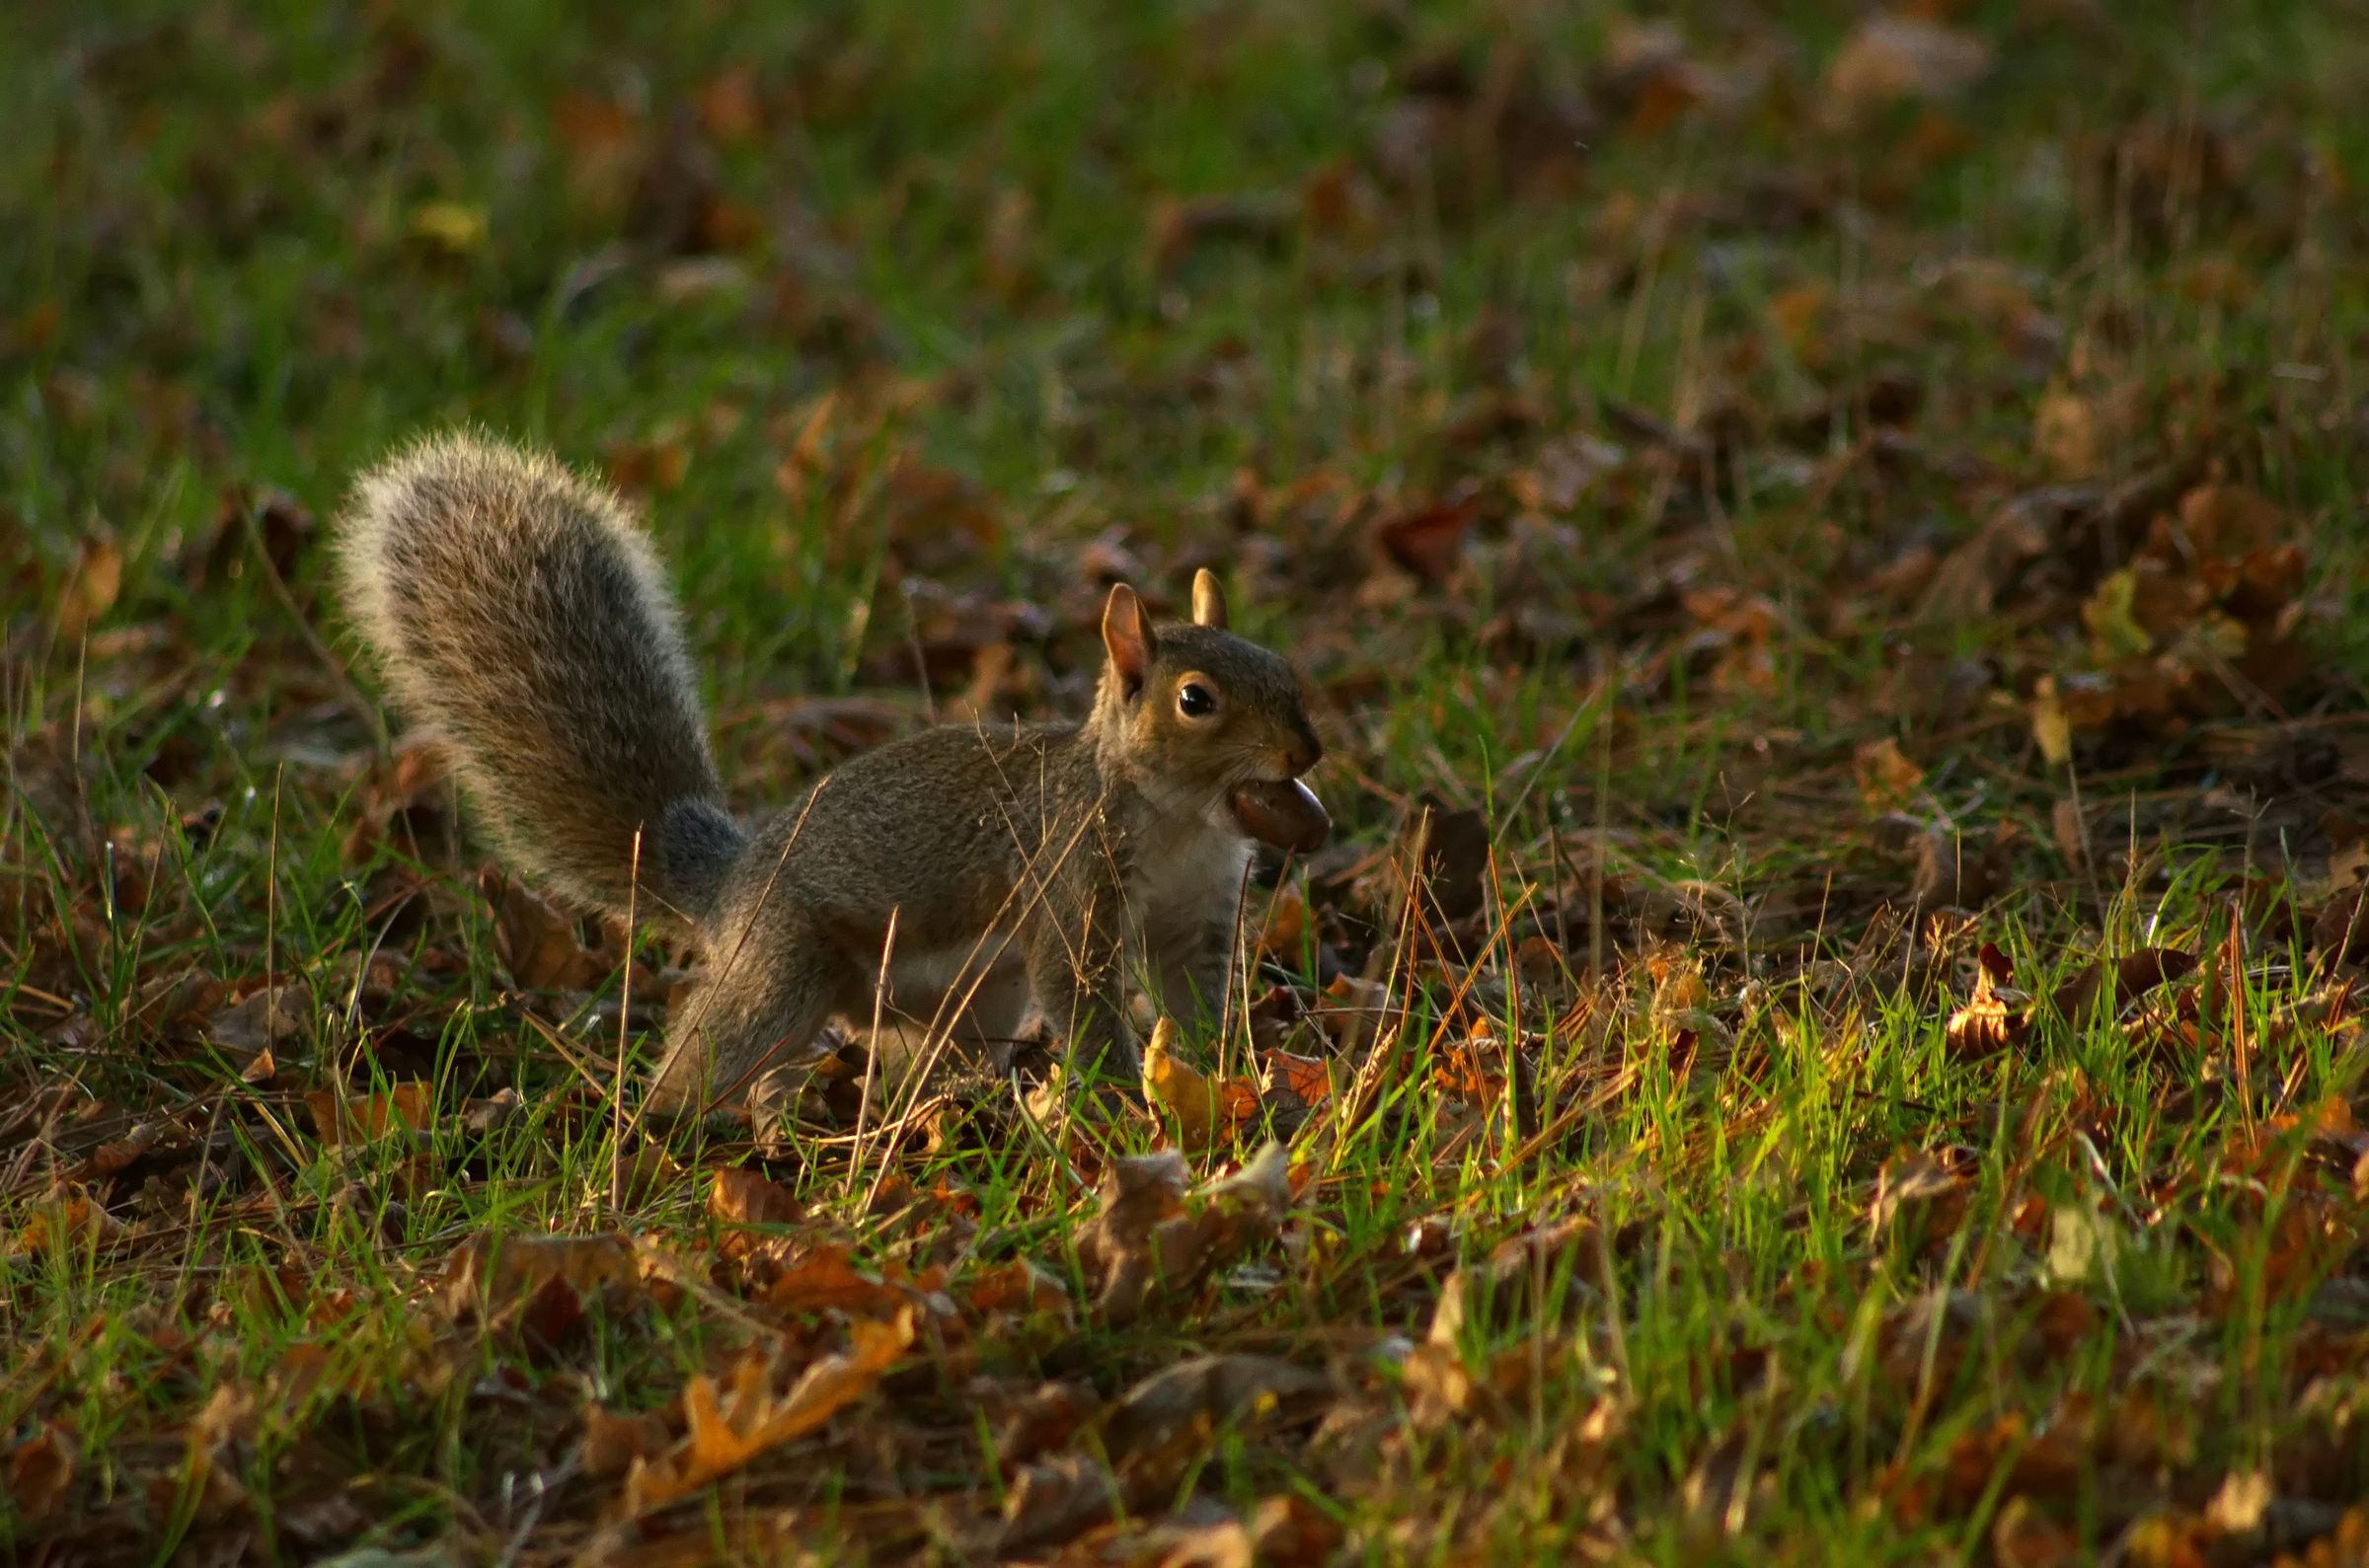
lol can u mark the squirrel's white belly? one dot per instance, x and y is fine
(1191, 884)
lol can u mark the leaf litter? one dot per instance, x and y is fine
(1832, 1009)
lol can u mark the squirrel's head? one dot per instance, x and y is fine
(1207, 722)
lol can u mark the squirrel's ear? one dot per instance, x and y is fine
(1208, 600)
(1128, 637)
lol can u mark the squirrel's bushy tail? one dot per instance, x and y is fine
(519, 611)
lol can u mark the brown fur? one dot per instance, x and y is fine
(519, 611)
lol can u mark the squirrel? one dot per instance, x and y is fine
(519, 611)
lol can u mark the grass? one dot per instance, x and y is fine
(909, 325)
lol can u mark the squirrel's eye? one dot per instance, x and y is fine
(1195, 700)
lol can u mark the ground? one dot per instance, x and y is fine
(1826, 546)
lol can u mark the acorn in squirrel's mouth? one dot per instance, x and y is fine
(1282, 812)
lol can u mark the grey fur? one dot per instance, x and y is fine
(518, 610)
(520, 614)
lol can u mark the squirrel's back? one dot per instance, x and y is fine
(520, 611)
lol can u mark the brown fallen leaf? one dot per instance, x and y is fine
(1916, 1190)
(725, 1430)
(822, 1278)
(1183, 1401)
(1954, 871)
(1208, 1112)
(738, 1196)
(1019, 1286)
(1283, 932)
(729, 107)
(1222, 1221)
(1055, 1499)
(484, 1116)
(91, 592)
(1890, 57)
(1356, 1012)
(339, 1120)
(488, 1275)
(70, 1219)
(1428, 541)
(540, 944)
(1984, 1026)
(1887, 779)
(614, 1443)
(1138, 1192)
(213, 1445)
(646, 1174)
(2051, 728)
(1300, 1083)
(266, 1017)
(1451, 848)
(1180, 225)
(2024, 1537)
(40, 1470)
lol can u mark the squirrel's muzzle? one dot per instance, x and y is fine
(1282, 812)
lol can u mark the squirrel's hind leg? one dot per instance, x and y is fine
(753, 1009)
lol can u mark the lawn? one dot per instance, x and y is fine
(1826, 545)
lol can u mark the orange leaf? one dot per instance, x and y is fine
(339, 1120)
(823, 1278)
(742, 1197)
(725, 1431)
(1285, 931)
(1308, 1078)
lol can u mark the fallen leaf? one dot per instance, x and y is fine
(91, 592)
(1307, 1080)
(729, 108)
(614, 1443)
(1182, 225)
(2024, 1537)
(339, 1120)
(1166, 1419)
(1890, 57)
(1428, 541)
(266, 1017)
(1887, 779)
(825, 1278)
(1186, 1095)
(39, 1471)
(2050, 728)
(1983, 1026)
(725, 1431)
(1356, 1012)
(1283, 932)
(1056, 1497)
(2236, 1509)
(738, 1196)
(70, 1219)
(644, 1174)
(541, 944)
(489, 1274)
(1915, 1183)
(1450, 849)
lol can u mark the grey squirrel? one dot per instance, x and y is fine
(517, 609)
